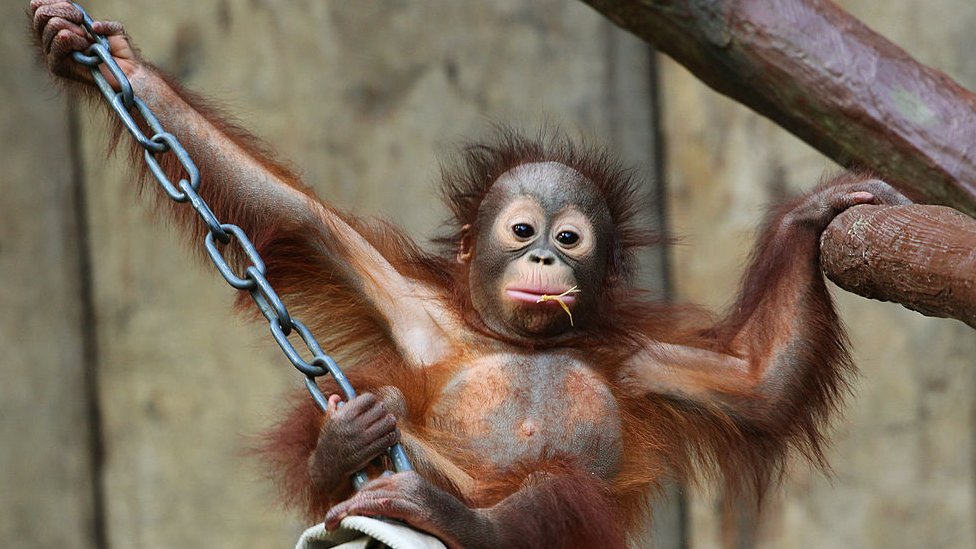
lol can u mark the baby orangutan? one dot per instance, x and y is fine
(540, 395)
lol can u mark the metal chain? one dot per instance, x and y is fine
(254, 280)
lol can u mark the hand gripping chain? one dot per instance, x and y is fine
(254, 281)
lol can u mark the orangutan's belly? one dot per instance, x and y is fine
(515, 409)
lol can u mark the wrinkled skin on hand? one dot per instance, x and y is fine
(59, 32)
(353, 435)
(821, 207)
(414, 500)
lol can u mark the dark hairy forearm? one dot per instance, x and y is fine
(569, 509)
(783, 304)
(778, 359)
(239, 180)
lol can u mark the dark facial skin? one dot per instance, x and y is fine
(542, 229)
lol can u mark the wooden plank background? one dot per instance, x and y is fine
(129, 394)
(47, 496)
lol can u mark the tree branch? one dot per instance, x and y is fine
(920, 256)
(822, 75)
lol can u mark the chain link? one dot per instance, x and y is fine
(254, 281)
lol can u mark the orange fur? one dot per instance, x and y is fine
(663, 438)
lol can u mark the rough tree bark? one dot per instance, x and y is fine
(923, 257)
(827, 78)
(824, 76)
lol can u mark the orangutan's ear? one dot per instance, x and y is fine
(465, 246)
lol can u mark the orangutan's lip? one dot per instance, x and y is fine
(533, 295)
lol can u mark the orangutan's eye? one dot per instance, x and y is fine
(567, 238)
(523, 230)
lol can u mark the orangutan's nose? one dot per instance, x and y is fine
(542, 256)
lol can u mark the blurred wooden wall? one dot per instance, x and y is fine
(129, 393)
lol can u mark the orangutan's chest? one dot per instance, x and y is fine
(520, 408)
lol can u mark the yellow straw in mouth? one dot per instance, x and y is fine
(556, 298)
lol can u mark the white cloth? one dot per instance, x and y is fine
(367, 533)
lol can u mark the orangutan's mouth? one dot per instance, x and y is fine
(535, 295)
